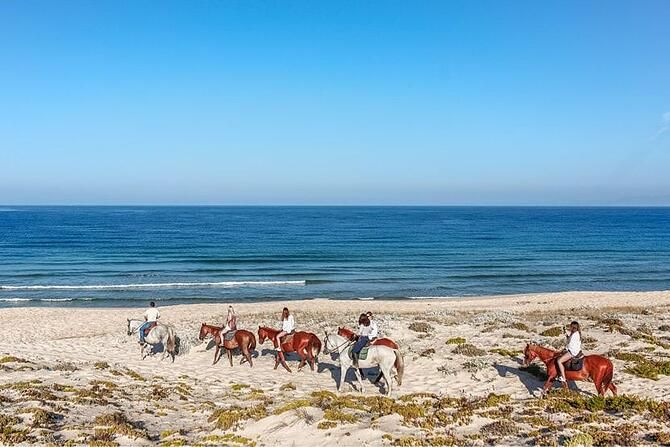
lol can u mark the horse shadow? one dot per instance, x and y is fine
(531, 382)
(212, 344)
(350, 375)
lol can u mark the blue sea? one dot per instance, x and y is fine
(112, 256)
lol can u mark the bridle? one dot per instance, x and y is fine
(337, 348)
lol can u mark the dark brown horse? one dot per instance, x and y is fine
(596, 367)
(242, 339)
(348, 333)
(305, 344)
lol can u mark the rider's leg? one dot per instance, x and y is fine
(278, 339)
(141, 331)
(559, 363)
(356, 350)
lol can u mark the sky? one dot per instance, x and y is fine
(339, 102)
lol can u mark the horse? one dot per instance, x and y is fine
(348, 333)
(160, 334)
(378, 355)
(305, 344)
(242, 339)
(596, 367)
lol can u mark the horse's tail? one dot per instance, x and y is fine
(316, 346)
(607, 380)
(171, 343)
(252, 342)
(399, 365)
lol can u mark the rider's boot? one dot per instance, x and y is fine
(354, 356)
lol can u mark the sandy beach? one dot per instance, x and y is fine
(72, 376)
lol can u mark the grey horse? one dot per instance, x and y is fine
(160, 334)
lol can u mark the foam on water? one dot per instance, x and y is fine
(194, 285)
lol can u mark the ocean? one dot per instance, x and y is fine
(119, 256)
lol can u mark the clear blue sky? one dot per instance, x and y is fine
(311, 102)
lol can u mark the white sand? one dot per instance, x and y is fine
(49, 336)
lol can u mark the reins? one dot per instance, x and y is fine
(337, 348)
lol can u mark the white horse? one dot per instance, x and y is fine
(381, 356)
(159, 334)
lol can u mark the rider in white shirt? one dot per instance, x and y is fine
(572, 349)
(287, 326)
(231, 324)
(374, 329)
(151, 315)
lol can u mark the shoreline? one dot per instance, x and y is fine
(562, 299)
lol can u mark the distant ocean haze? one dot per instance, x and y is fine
(127, 255)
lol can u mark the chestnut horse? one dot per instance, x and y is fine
(305, 344)
(596, 367)
(348, 333)
(242, 339)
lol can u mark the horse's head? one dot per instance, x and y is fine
(529, 355)
(203, 331)
(262, 335)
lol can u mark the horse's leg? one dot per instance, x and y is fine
(283, 361)
(216, 355)
(360, 381)
(386, 372)
(230, 356)
(612, 388)
(303, 358)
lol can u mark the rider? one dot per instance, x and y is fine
(374, 329)
(364, 332)
(287, 326)
(572, 349)
(151, 315)
(231, 323)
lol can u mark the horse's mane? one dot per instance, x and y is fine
(344, 329)
(545, 349)
(269, 329)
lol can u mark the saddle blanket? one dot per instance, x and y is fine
(361, 355)
(229, 335)
(149, 328)
(574, 364)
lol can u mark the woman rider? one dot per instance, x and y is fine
(287, 326)
(231, 323)
(572, 349)
(364, 332)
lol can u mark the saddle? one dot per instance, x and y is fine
(575, 363)
(287, 339)
(229, 335)
(361, 355)
(148, 329)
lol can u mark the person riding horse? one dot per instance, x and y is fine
(287, 326)
(572, 350)
(231, 323)
(151, 315)
(366, 333)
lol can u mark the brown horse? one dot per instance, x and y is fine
(596, 367)
(305, 344)
(348, 333)
(242, 339)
